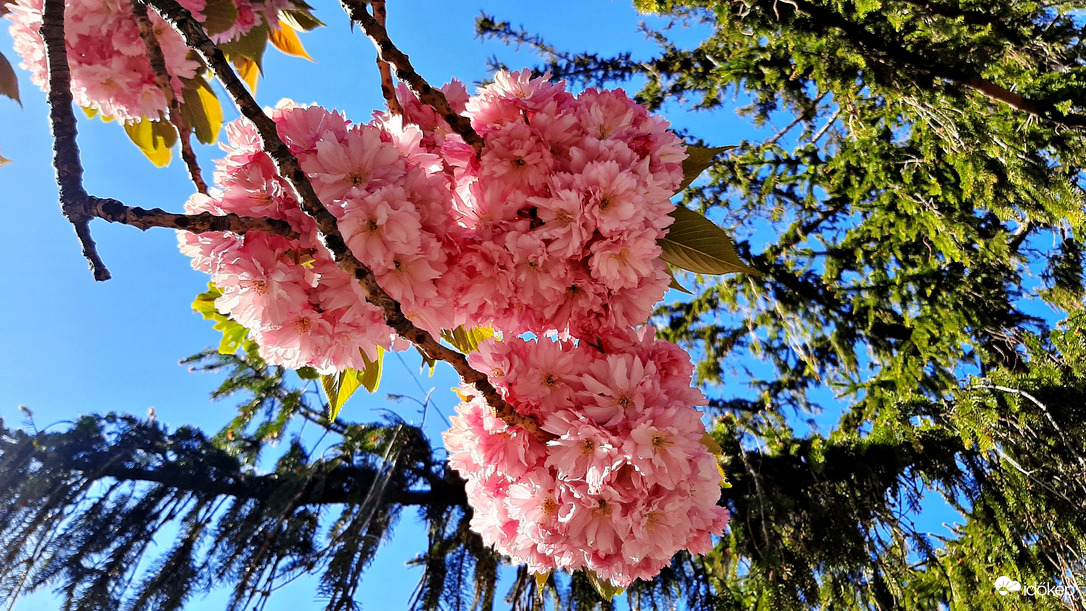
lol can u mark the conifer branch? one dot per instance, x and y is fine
(287, 165)
(165, 85)
(876, 48)
(387, 51)
(66, 162)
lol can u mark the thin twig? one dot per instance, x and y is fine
(809, 113)
(387, 51)
(826, 127)
(141, 218)
(1048, 415)
(388, 88)
(69, 169)
(287, 165)
(165, 85)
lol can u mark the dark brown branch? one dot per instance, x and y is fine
(165, 85)
(337, 485)
(388, 88)
(287, 165)
(388, 52)
(69, 169)
(144, 219)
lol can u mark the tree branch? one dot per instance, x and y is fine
(388, 52)
(878, 48)
(339, 485)
(141, 218)
(287, 165)
(165, 85)
(388, 88)
(69, 169)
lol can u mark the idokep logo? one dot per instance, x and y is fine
(1004, 585)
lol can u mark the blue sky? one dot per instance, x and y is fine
(74, 346)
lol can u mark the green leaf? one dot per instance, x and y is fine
(201, 110)
(675, 282)
(300, 19)
(340, 386)
(696, 244)
(467, 340)
(9, 83)
(220, 15)
(251, 46)
(308, 373)
(698, 159)
(234, 336)
(604, 588)
(154, 138)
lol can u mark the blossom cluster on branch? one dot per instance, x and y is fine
(551, 229)
(110, 72)
(627, 481)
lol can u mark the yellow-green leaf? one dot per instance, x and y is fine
(371, 375)
(604, 588)
(541, 579)
(426, 361)
(220, 16)
(9, 83)
(696, 244)
(234, 336)
(711, 444)
(201, 110)
(300, 19)
(248, 71)
(154, 138)
(467, 340)
(286, 40)
(340, 386)
(251, 45)
(93, 112)
(4, 161)
(698, 159)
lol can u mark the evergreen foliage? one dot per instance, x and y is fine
(918, 226)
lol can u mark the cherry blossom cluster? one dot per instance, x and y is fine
(108, 59)
(626, 482)
(391, 205)
(550, 229)
(564, 206)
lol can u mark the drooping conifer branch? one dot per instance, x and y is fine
(69, 169)
(878, 49)
(287, 165)
(165, 85)
(388, 52)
